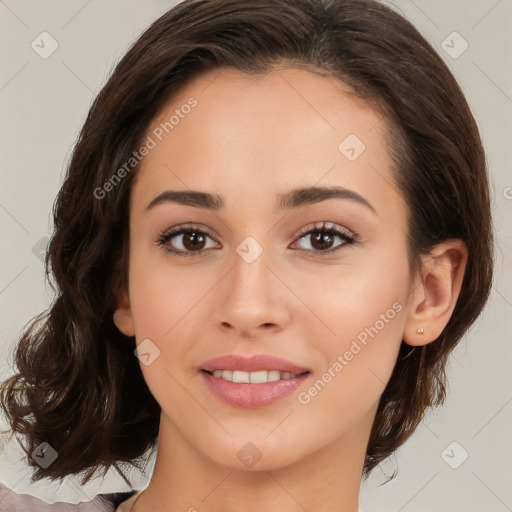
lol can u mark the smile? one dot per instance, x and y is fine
(259, 377)
(250, 381)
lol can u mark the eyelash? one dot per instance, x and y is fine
(325, 228)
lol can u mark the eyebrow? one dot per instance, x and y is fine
(293, 199)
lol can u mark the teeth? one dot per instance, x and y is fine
(260, 377)
(273, 375)
(240, 377)
(257, 377)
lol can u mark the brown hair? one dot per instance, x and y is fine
(79, 386)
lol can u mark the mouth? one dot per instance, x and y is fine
(250, 381)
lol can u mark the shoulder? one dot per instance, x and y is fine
(11, 501)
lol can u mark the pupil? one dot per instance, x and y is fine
(323, 239)
(193, 239)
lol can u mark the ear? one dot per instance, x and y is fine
(123, 315)
(435, 292)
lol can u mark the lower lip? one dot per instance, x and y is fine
(251, 396)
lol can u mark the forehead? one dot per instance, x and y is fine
(270, 133)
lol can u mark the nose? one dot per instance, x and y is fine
(252, 301)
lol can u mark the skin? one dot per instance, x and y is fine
(248, 140)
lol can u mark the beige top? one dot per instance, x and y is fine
(11, 501)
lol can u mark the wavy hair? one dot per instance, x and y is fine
(78, 385)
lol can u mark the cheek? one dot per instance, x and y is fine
(162, 295)
(162, 298)
(359, 360)
(362, 313)
(168, 308)
(348, 299)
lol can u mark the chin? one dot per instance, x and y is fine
(254, 453)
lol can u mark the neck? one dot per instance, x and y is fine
(327, 480)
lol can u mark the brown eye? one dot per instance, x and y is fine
(185, 241)
(322, 239)
(193, 240)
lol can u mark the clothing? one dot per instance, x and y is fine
(10, 501)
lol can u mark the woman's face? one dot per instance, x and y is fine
(249, 280)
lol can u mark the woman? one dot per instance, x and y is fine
(283, 209)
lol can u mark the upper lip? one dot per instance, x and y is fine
(254, 363)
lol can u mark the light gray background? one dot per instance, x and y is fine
(43, 103)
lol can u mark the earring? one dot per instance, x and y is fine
(420, 330)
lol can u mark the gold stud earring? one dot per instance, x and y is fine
(420, 330)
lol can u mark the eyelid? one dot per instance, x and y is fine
(188, 227)
(348, 237)
(324, 226)
(181, 229)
